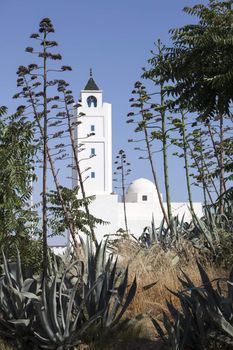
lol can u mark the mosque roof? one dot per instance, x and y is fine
(141, 186)
(91, 85)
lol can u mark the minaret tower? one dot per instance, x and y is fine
(94, 137)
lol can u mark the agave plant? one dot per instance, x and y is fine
(56, 312)
(206, 315)
(60, 323)
(112, 295)
(68, 308)
(16, 295)
(167, 236)
(49, 313)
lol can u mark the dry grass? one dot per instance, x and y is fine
(155, 264)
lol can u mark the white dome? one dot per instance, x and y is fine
(141, 186)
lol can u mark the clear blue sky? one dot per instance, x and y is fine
(112, 37)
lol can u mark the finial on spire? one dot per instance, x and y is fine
(90, 72)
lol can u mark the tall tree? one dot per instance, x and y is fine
(159, 110)
(144, 120)
(183, 143)
(50, 103)
(37, 88)
(200, 66)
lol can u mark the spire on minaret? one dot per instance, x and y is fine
(91, 85)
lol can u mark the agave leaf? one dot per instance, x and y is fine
(149, 286)
(113, 275)
(204, 231)
(184, 301)
(100, 266)
(128, 300)
(11, 305)
(212, 299)
(104, 295)
(119, 292)
(230, 286)
(172, 335)
(153, 230)
(221, 322)
(44, 294)
(185, 335)
(6, 270)
(123, 285)
(83, 303)
(53, 305)
(62, 284)
(39, 339)
(21, 321)
(173, 311)
(31, 296)
(17, 296)
(69, 310)
(19, 274)
(161, 229)
(200, 319)
(190, 283)
(159, 329)
(62, 311)
(29, 284)
(44, 320)
(100, 257)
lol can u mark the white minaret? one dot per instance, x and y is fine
(95, 151)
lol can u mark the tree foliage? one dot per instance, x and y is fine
(16, 174)
(200, 60)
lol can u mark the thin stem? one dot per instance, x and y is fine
(154, 175)
(165, 158)
(186, 162)
(44, 191)
(221, 161)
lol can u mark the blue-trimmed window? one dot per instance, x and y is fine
(92, 151)
(92, 174)
(92, 128)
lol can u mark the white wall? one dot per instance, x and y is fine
(101, 164)
(179, 208)
(105, 207)
(139, 215)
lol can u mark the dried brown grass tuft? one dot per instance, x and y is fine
(155, 264)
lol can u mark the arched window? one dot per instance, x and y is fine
(92, 101)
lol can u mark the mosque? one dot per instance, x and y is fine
(94, 138)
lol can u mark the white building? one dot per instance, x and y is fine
(94, 135)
